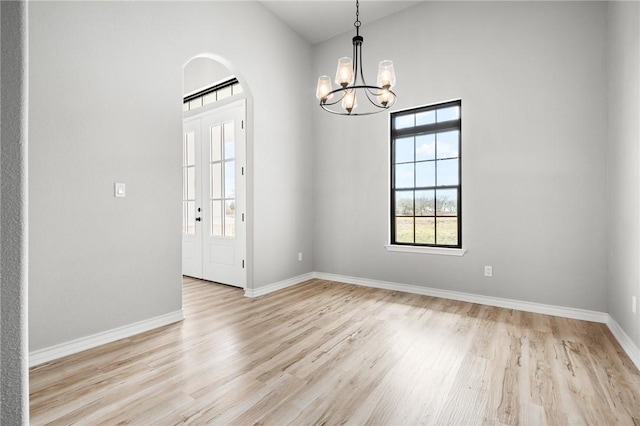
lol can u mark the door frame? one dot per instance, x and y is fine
(240, 100)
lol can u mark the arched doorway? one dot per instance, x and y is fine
(214, 173)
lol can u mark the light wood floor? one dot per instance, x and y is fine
(329, 353)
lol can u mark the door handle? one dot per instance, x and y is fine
(198, 219)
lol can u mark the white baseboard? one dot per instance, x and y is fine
(538, 308)
(63, 349)
(625, 341)
(78, 345)
(260, 291)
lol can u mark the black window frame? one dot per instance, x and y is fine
(418, 130)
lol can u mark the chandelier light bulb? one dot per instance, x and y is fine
(324, 88)
(386, 74)
(349, 102)
(344, 73)
(385, 97)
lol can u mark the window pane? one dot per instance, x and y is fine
(447, 172)
(425, 147)
(404, 150)
(216, 180)
(447, 231)
(216, 143)
(404, 203)
(446, 202)
(426, 117)
(209, 99)
(403, 121)
(404, 229)
(191, 217)
(216, 218)
(425, 230)
(230, 218)
(229, 179)
(425, 203)
(404, 175)
(237, 88)
(448, 144)
(224, 92)
(196, 103)
(446, 114)
(229, 139)
(191, 183)
(425, 174)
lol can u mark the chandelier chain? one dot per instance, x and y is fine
(357, 23)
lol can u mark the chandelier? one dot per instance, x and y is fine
(352, 85)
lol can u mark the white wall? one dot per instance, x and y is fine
(532, 81)
(203, 72)
(106, 106)
(623, 48)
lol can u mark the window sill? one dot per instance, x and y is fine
(426, 250)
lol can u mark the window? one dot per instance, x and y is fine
(426, 190)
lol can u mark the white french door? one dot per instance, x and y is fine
(214, 231)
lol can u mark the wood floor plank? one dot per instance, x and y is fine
(324, 352)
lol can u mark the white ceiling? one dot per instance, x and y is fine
(317, 21)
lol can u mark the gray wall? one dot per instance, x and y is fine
(623, 47)
(14, 375)
(106, 90)
(532, 80)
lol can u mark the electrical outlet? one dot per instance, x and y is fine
(488, 271)
(634, 304)
(300, 257)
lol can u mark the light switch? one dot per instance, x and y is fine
(120, 190)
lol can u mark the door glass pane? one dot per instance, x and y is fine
(425, 230)
(216, 218)
(447, 172)
(229, 139)
(447, 230)
(229, 179)
(404, 229)
(184, 217)
(216, 180)
(404, 150)
(184, 183)
(216, 143)
(230, 218)
(191, 217)
(191, 183)
(425, 147)
(448, 144)
(191, 150)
